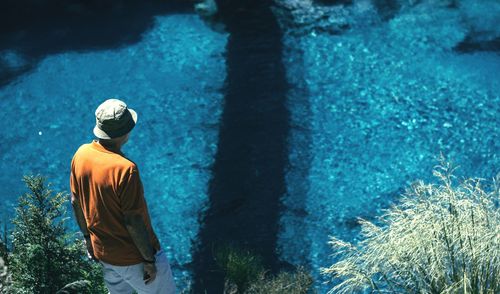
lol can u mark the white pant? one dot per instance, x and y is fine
(126, 279)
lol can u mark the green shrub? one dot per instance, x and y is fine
(90, 273)
(43, 260)
(240, 267)
(75, 287)
(245, 273)
(438, 239)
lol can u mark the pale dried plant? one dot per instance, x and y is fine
(5, 279)
(439, 239)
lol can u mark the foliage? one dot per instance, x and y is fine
(43, 260)
(299, 282)
(246, 274)
(90, 272)
(241, 267)
(439, 239)
(75, 287)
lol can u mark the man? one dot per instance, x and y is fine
(109, 205)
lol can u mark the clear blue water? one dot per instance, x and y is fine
(171, 78)
(371, 108)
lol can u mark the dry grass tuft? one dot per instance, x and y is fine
(439, 239)
(4, 278)
(299, 282)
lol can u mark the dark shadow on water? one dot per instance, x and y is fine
(333, 2)
(31, 30)
(473, 44)
(248, 176)
(387, 9)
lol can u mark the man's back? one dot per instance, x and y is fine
(110, 209)
(108, 186)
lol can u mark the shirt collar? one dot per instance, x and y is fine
(101, 148)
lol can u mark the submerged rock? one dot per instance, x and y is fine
(302, 17)
(206, 8)
(484, 31)
(208, 12)
(475, 41)
(12, 59)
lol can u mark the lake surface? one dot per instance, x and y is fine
(374, 94)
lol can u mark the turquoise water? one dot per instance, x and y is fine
(371, 108)
(171, 78)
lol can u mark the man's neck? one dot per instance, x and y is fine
(116, 147)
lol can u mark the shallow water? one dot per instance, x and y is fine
(372, 104)
(171, 78)
(372, 109)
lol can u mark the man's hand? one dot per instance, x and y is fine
(139, 233)
(149, 272)
(90, 249)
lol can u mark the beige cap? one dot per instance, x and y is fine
(114, 119)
